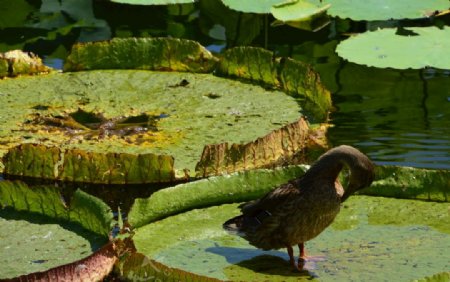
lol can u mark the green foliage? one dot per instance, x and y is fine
(153, 2)
(306, 14)
(165, 54)
(252, 6)
(375, 10)
(410, 183)
(420, 47)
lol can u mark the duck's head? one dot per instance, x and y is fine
(362, 174)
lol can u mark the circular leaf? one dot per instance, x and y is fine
(414, 48)
(375, 10)
(252, 6)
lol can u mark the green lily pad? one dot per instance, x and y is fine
(153, 2)
(410, 183)
(299, 10)
(201, 239)
(424, 47)
(361, 241)
(158, 126)
(252, 6)
(374, 10)
(38, 229)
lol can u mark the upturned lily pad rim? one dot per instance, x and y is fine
(390, 181)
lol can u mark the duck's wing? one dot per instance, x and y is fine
(272, 200)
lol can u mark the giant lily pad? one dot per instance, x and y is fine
(37, 222)
(364, 232)
(362, 241)
(155, 126)
(373, 10)
(422, 47)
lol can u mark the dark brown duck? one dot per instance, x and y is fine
(301, 209)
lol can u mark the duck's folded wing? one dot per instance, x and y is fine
(271, 201)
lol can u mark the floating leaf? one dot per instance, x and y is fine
(363, 238)
(410, 183)
(303, 14)
(153, 2)
(154, 126)
(385, 48)
(252, 6)
(374, 10)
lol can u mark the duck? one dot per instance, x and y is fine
(299, 210)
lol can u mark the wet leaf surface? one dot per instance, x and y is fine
(361, 241)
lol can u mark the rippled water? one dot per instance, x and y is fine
(396, 117)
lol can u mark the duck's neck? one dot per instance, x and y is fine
(330, 164)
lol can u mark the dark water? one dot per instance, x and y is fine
(395, 116)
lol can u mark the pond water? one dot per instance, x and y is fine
(396, 117)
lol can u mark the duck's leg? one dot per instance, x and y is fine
(291, 256)
(301, 256)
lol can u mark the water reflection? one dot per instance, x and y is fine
(396, 117)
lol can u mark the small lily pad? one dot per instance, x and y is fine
(153, 2)
(252, 6)
(384, 48)
(374, 10)
(299, 10)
